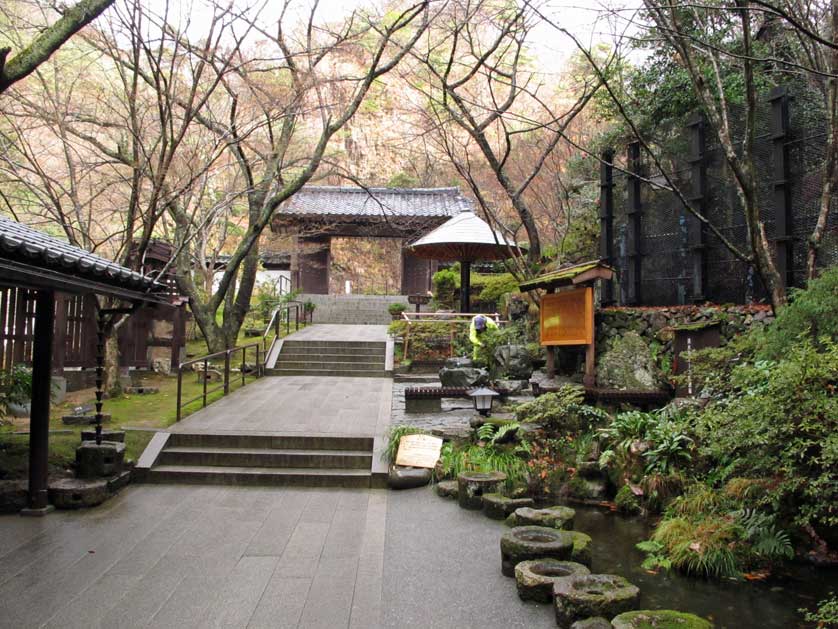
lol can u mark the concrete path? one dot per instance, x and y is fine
(341, 332)
(308, 405)
(184, 556)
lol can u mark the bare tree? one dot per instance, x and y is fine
(281, 110)
(483, 94)
(47, 41)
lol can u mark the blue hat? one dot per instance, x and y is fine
(479, 322)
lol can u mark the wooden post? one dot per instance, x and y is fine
(551, 351)
(465, 286)
(59, 343)
(39, 415)
(589, 379)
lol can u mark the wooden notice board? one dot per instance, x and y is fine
(567, 318)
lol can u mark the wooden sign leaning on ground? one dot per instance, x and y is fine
(418, 451)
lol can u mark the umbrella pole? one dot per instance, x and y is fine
(465, 286)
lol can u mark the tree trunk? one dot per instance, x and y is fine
(112, 385)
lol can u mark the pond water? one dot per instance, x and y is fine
(729, 604)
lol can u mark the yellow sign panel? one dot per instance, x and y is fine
(567, 317)
(418, 451)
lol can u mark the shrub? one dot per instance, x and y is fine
(563, 411)
(475, 458)
(396, 309)
(826, 615)
(446, 282)
(626, 501)
(810, 313)
(496, 286)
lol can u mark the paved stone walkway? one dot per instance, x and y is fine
(185, 556)
(309, 405)
(347, 333)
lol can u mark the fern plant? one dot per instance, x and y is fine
(761, 531)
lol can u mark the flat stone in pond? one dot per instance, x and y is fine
(534, 579)
(659, 619)
(498, 506)
(533, 542)
(447, 489)
(472, 486)
(557, 517)
(606, 595)
(76, 493)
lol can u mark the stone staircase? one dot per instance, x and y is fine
(239, 459)
(353, 309)
(330, 358)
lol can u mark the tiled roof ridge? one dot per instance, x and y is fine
(358, 190)
(50, 252)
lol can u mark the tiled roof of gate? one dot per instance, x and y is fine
(372, 202)
(22, 244)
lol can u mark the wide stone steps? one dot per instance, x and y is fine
(331, 358)
(266, 457)
(254, 459)
(227, 475)
(327, 371)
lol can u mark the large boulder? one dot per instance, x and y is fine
(514, 362)
(659, 619)
(463, 377)
(401, 477)
(629, 364)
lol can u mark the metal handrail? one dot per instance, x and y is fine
(225, 385)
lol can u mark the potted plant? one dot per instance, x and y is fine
(17, 390)
(309, 307)
(396, 310)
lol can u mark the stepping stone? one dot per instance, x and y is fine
(534, 578)
(447, 489)
(580, 597)
(533, 542)
(472, 486)
(581, 548)
(557, 517)
(498, 506)
(660, 619)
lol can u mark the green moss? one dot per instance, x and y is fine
(626, 501)
(659, 619)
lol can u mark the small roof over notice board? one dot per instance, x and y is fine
(583, 273)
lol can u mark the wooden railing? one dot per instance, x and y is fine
(454, 320)
(225, 370)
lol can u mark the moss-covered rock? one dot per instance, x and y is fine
(626, 501)
(659, 619)
(581, 548)
(556, 517)
(498, 507)
(629, 364)
(534, 579)
(606, 595)
(533, 542)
